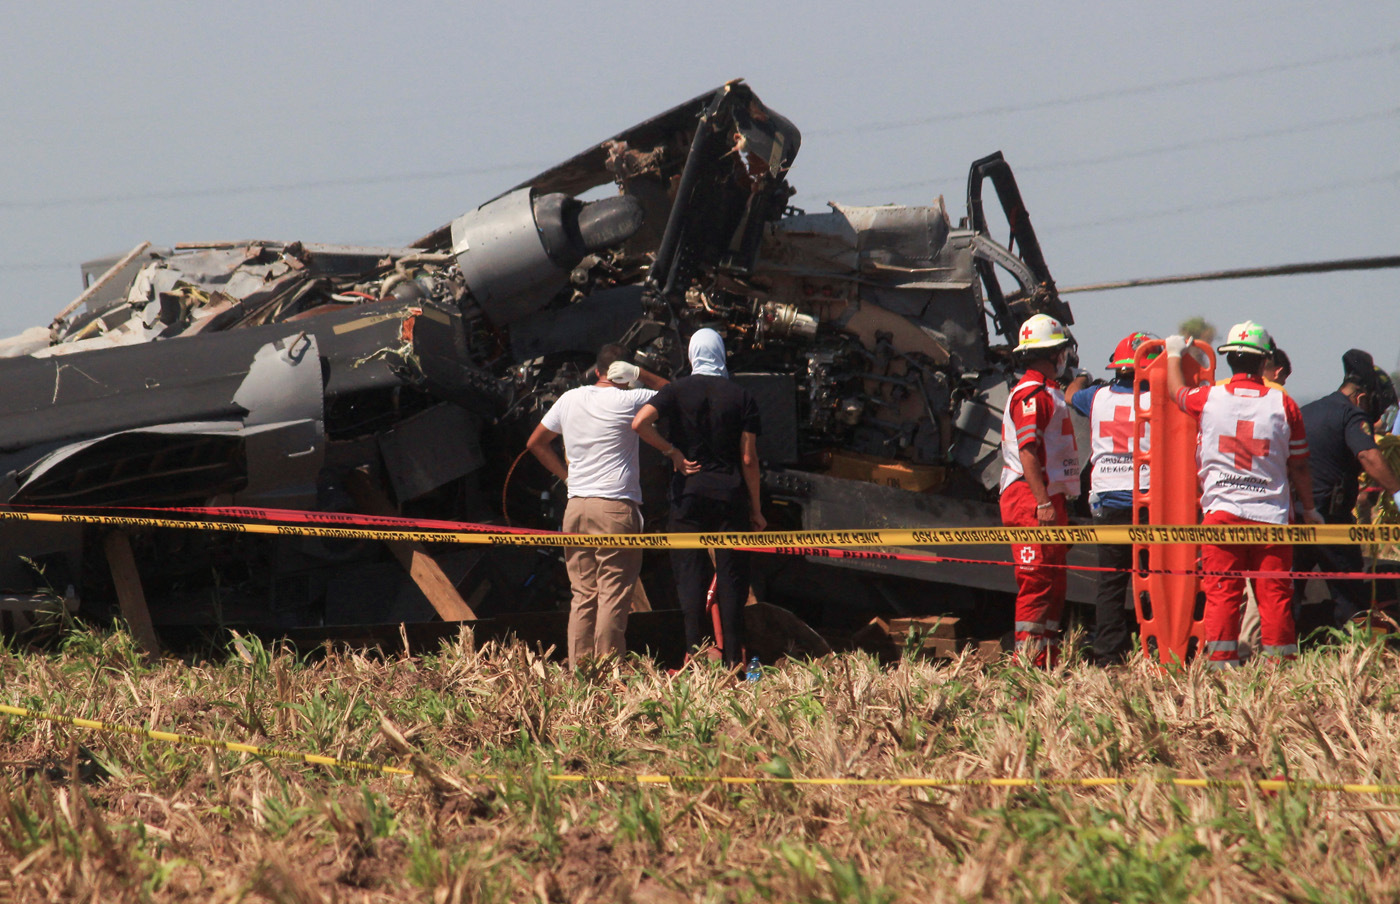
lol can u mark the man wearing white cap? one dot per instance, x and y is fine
(605, 496)
(1253, 448)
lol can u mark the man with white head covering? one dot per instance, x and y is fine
(715, 423)
(605, 496)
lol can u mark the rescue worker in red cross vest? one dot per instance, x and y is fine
(1112, 439)
(1040, 469)
(1252, 449)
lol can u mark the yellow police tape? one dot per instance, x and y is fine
(1267, 784)
(791, 541)
(172, 738)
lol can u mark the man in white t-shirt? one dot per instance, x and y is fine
(605, 496)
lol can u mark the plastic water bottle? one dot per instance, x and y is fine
(755, 671)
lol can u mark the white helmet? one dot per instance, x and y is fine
(1248, 337)
(1042, 331)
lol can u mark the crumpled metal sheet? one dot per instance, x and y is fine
(904, 247)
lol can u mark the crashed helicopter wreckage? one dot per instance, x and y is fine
(405, 380)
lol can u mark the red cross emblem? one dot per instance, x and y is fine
(1025, 334)
(1244, 446)
(1244, 334)
(1119, 430)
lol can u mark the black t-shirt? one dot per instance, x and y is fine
(1337, 432)
(708, 416)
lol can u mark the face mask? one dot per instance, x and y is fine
(1061, 362)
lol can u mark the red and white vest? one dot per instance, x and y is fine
(1060, 451)
(1112, 436)
(1244, 454)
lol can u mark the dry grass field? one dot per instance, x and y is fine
(86, 816)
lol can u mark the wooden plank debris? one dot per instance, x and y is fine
(130, 595)
(932, 637)
(421, 566)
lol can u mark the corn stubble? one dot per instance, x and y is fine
(88, 817)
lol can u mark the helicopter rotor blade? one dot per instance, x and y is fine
(1355, 263)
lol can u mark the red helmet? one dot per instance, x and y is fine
(1126, 349)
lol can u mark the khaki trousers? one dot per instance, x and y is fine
(1250, 626)
(601, 579)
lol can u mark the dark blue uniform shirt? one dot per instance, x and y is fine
(1337, 432)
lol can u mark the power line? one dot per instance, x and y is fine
(1228, 203)
(1201, 143)
(1110, 93)
(231, 191)
(1138, 153)
(350, 181)
(16, 268)
(1354, 263)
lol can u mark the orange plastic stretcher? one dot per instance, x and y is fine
(1170, 607)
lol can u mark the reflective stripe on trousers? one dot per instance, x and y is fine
(1223, 654)
(1031, 627)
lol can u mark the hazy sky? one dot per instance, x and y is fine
(1148, 138)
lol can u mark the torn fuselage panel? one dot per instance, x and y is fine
(248, 378)
(270, 456)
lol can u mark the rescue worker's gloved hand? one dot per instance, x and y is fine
(1396, 497)
(1175, 345)
(1313, 516)
(624, 374)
